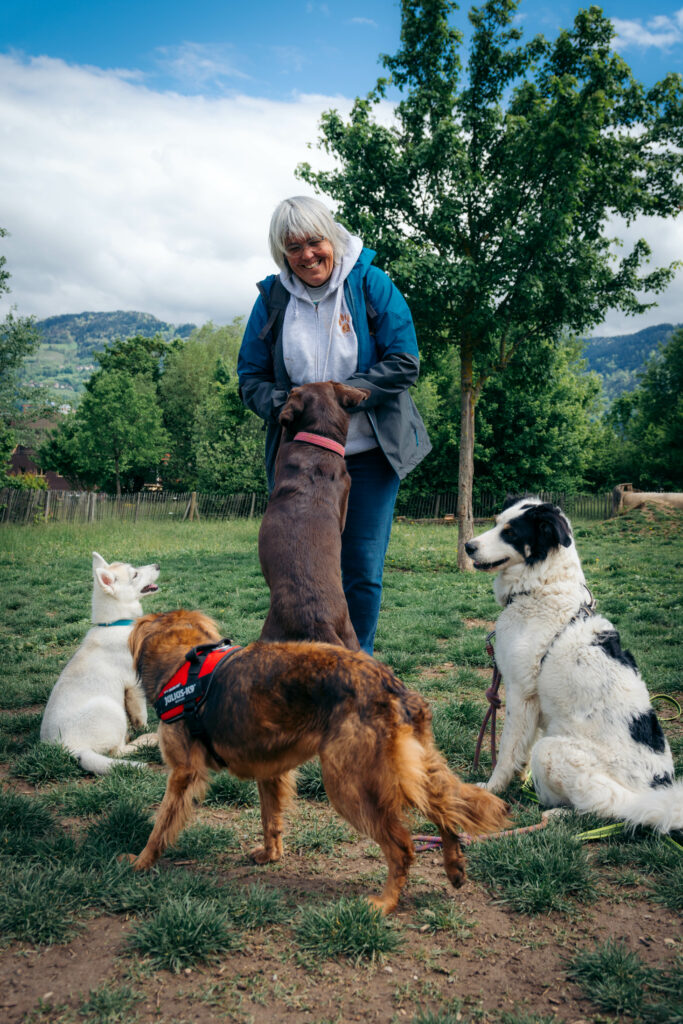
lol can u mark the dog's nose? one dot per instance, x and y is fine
(471, 547)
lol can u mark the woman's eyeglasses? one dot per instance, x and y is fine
(310, 243)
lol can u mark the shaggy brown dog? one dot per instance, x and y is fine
(272, 706)
(300, 537)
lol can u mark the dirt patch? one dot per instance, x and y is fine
(488, 624)
(503, 961)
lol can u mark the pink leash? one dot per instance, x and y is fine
(431, 843)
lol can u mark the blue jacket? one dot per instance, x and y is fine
(388, 364)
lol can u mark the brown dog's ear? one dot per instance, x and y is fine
(292, 408)
(348, 396)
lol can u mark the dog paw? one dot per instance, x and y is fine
(456, 874)
(260, 855)
(127, 858)
(385, 906)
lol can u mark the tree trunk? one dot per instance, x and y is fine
(466, 466)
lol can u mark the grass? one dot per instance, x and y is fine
(46, 762)
(62, 831)
(225, 789)
(435, 913)
(350, 928)
(110, 1004)
(316, 836)
(309, 781)
(616, 980)
(201, 842)
(536, 872)
(185, 932)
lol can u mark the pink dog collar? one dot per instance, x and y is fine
(322, 442)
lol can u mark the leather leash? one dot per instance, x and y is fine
(494, 703)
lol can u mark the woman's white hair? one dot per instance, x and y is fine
(303, 217)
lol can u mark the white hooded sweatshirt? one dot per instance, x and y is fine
(318, 337)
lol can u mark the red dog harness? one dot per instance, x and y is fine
(185, 693)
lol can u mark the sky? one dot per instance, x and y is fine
(144, 145)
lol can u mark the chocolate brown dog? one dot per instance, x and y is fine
(300, 537)
(272, 706)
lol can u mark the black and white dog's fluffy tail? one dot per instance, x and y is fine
(660, 808)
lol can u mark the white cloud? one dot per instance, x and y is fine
(198, 64)
(661, 31)
(118, 197)
(363, 21)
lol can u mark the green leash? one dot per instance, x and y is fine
(670, 700)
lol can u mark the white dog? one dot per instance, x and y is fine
(576, 709)
(98, 692)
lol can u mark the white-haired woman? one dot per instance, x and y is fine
(331, 315)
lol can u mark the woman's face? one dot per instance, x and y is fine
(311, 259)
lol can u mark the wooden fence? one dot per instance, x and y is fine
(488, 504)
(34, 506)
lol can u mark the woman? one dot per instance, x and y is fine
(331, 315)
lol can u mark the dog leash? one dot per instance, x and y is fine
(587, 609)
(494, 703)
(670, 700)
(432, 843)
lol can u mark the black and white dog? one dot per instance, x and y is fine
(577, 711)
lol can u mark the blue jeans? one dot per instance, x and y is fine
(374, 486)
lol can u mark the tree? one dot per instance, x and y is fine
(649, 422)
(136, 355)
(488, 197)
(538, 422)
(228, 439)
(188, 377)
(115, 436)
(18, 339)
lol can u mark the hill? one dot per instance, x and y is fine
(619, 360)
(65, 359)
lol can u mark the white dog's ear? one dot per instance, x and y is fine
(106, 579)
(98, 562)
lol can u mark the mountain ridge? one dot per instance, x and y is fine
(65, 359)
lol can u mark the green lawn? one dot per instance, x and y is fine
(208, 920)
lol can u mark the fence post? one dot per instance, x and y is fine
(192, 512)
(253, 505)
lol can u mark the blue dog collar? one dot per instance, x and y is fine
(119, 622)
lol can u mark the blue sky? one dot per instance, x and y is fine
(146, 143)
(270, 49)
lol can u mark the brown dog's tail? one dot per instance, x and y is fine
(454, 806)
(429, 786)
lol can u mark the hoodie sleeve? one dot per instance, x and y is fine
(255, 370)
(398, 364)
